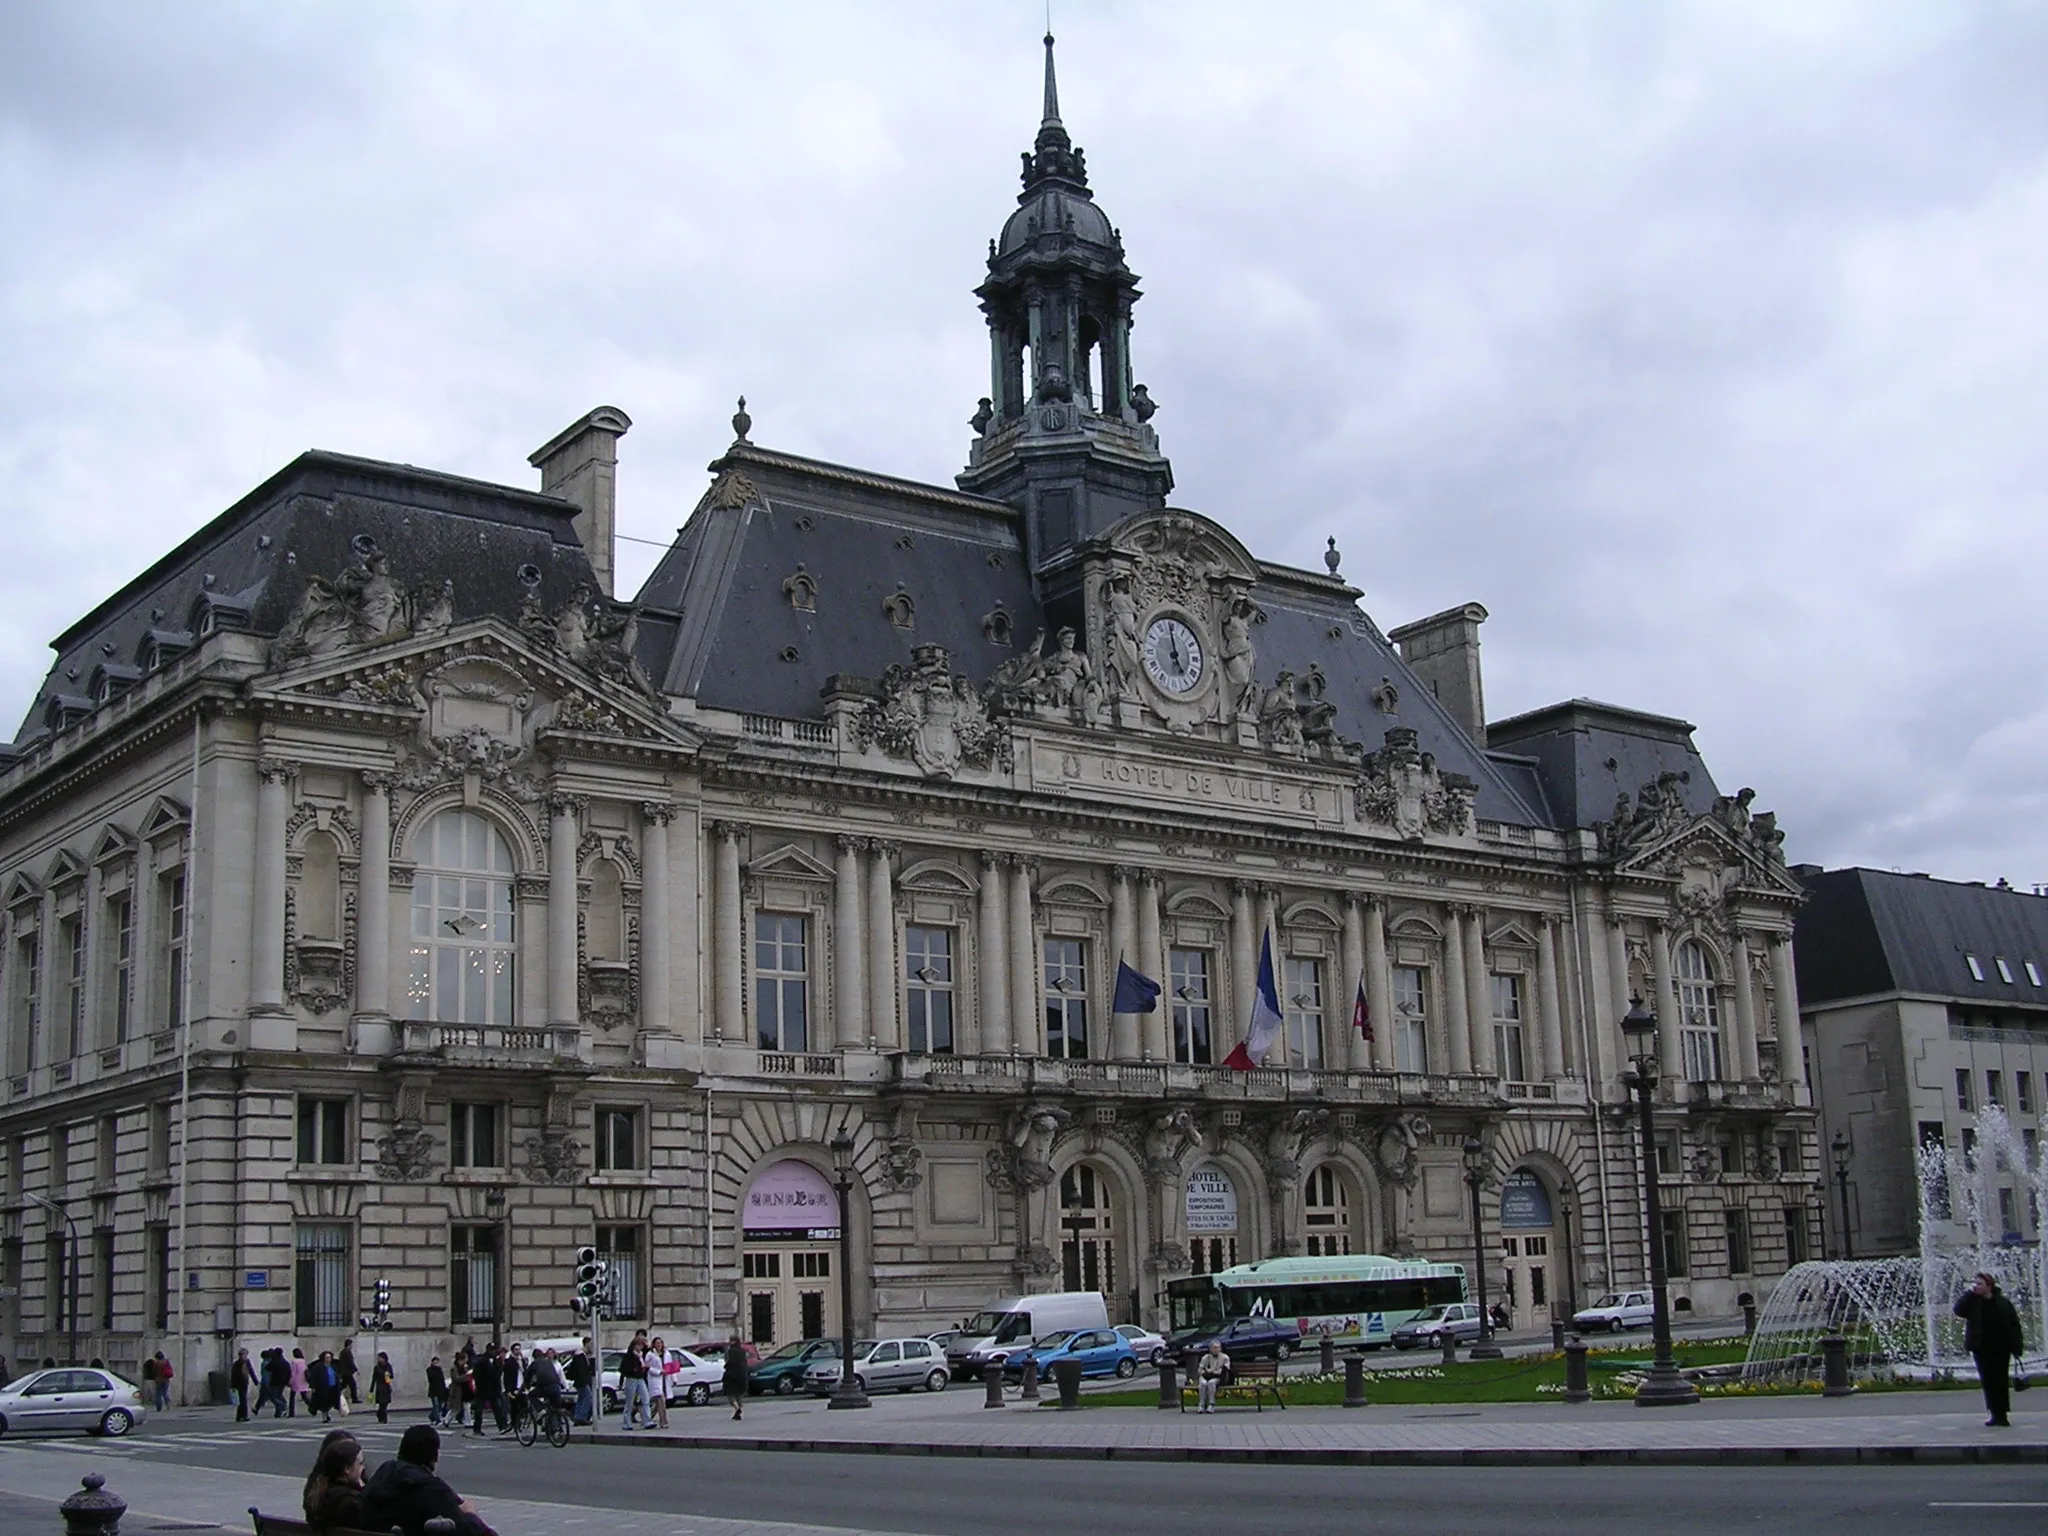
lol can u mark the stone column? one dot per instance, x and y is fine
(1152, 961)
(1785, 1009)
(1670, 1059)
(1457, 1034)
(849, 959)
(1379, 984)
(1357, 1053)
(881, 920)
(1027, 1030)
(1744, 1043)
(373, 900)
(1479, 994)
(266, 919)
(562, 1006)
(654, 924)
(1244, 961)
(727, 957)
(1550, 1046)
(993, 960)
(1123, 1027)
(1607, 1029)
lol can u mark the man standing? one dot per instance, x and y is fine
(240, 1382)
(1991, 1333)
(487, 1379)
(735, 1379)
(583, 1377)
(633, 1387)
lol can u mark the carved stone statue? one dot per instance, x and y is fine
(1280, 716)
(437, 614)
(1071, 680)
(1033, 1129)
(1400, 786)
(932, 716)
(1318, 715)
(1398, 1148)
(1169, 1136)
(362, 606)
(1019, 683)
(1240, 688)
(1120, 667)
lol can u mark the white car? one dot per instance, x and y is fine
(697, 1378)
(905, 1364)
(1617, 1310)
(1149, 1346)
(72, 1398)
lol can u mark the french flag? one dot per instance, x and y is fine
(1266, 1023)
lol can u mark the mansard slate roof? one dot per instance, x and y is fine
(1588, 754)
(250, 565)
(1868, 932)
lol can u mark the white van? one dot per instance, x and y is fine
(987, 1338)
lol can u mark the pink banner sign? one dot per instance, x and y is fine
(791, 1199)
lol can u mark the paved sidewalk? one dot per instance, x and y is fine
(1886, 1427)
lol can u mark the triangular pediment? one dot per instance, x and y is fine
(21, 891)
(165, 815)
(789, 861)
(67, 868)
(115, 843)
(1707, 848)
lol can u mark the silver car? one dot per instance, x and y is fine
(71, 1398)
(905, 1364)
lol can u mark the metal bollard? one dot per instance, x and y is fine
(1354, 1379)
(993, 1378)
(1834, 1366)
(1749, 1319)
(1169, 1383)
(1557, 1333)
(1450, 1347)
(1329, 1356)
(1576, 1389)
(93, 1513)
(1068, 1374)
(1031, 1378)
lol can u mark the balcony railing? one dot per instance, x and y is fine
(1130, 1079)
(793, 1064)
(487, 1043)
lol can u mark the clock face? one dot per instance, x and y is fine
(1173, 656)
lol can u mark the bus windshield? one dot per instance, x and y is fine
(1192, 1305)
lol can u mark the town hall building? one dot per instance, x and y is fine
(386, 898)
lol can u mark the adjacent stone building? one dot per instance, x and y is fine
(384, 899)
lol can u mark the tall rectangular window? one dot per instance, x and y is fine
(1411, 1019)
(160, 1136)
(1963, 1090)
(2023, 1092)
(1667, 1154)
(105, 1148)
(1795, 1235)
(171, 949)
(10, 1283)
(618, 1139)
(1994, 1086)
(1735, 1228)
(117, 983)
(782, 977)
(103, 1276)
(619, 1248)
(323, 1130)
(1788, 1155)
(1507, 1028)
(321, 1291)
(1066, 998)
(1674, 1244)
(25, 999)
(60, 1158)
(473, 1136)
(928, 989)
(1193, 1006)
(1699, 1014)
(1303, 1007)
(472, 1275)
(71, 947)
(160, 1277)
(2009, 1215)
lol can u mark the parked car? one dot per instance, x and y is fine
(880, 1364)
(987, 1338)
(943, 1337)
(1100, 1351)
(1615, 1311)
(1457, 1319)
(714, 1349)
(96, 1401)
(1149, 1346)
(783, 1371)
(1243, 1338)
(699, 1379)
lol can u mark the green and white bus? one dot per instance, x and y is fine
(1353, 1298)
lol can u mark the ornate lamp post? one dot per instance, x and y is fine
(1483, 1347)
(848, 1393)
(1840, 1147)
(1664, 1387)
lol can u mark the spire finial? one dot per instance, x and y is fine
(742, 423)
(1052, 88)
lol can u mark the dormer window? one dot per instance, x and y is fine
(2004, 970)
(1976, 967)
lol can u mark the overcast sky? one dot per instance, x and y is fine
(1706, 345)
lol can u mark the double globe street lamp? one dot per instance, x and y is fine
(848, 1394)
(1483, 1347)
(1664, 1387)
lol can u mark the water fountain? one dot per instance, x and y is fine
(1897, 1313)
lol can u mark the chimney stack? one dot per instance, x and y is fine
(1443, 651)
(580, 464)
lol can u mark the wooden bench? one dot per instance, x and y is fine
(278, 1525)
(1247, 1378)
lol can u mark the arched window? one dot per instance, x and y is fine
(1327, 1211)
(320, 887)
(1086, 1224)
(462, 954)
(1699, 1013)
(604, 933)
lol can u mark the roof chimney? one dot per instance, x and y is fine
(1443, 651)
(580, 464)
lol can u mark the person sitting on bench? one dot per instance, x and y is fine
(334, 1493)
(407, 1494)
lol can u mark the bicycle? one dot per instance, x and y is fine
(553, 1421)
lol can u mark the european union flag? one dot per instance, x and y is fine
(1135, 992)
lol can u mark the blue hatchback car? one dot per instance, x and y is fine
(1101, 1351)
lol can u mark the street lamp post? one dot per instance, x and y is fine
(1840, 1147)
(72, 1227)
(1664, 1387)
(1483, 1348)
(1571, 1275)
(848, 1394)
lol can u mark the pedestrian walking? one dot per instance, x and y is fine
(241, 1382)
(1991, 1333)
(347, 1391)
(161, 1376)
(659, 1369)
(274, 1379)
(582, 1374)
(301, 1393)
(1209, 1376)
(324, 1385)
(485, 1379)
(437, 1392)
(380, 1387)
(633, 1387)
(458, 1388)
(735, 1379)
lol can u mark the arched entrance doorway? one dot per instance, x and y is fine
(789, 1230)
(1525, 1243)
(1329, 1212)
(1212, 1220)
(1088, 1236)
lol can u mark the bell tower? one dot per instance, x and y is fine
(1065, 432)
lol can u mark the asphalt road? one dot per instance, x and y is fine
(967, 1497)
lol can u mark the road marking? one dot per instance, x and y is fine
(1991, 1504)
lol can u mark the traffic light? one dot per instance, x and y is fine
(378, 1317)
(589, 1280)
